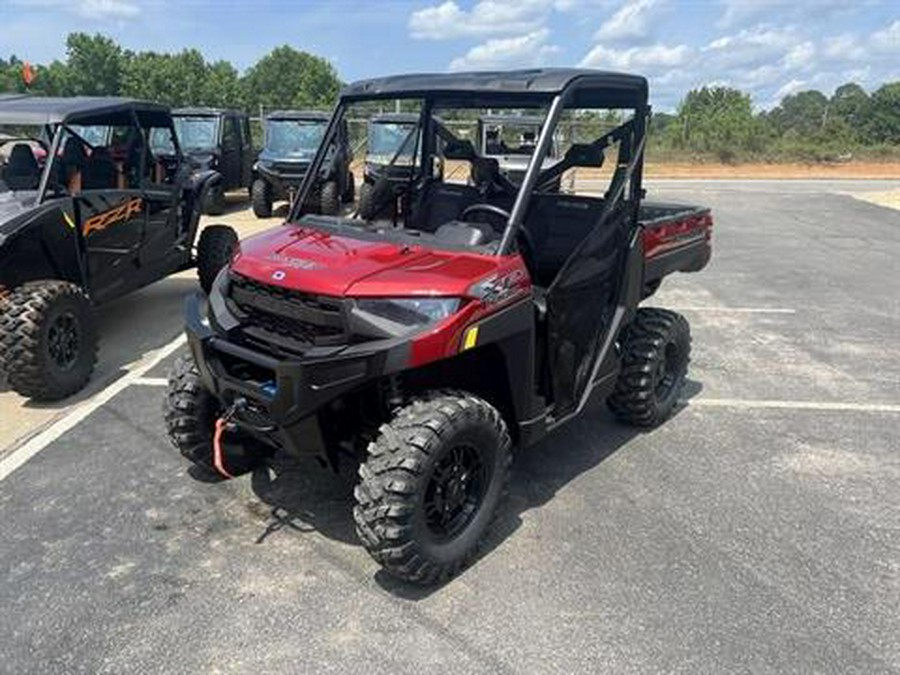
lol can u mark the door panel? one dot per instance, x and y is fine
(581, 303)
(159, 255)
(112, 223)
(230, 166)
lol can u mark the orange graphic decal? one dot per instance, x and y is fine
(119, 214)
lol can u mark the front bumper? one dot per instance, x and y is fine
(282, 179)
(283, 394)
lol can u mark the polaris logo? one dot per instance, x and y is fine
(294, 263)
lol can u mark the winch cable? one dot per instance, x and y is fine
(218, 458)
(221, 427)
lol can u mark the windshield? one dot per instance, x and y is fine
(294, 138)
(513, 137)
(197, 133)
(385, 138)
(161, 141)
(96, 134)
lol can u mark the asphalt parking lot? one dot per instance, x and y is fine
(756, 531)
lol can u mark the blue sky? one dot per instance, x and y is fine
(766, 47)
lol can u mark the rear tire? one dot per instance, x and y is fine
(350, 189)
(190, 413)
(261, 198)
(49, 340)
(656, 349)
(214, 250)
(364, 206)
(431, 486)
(214, 200)
(329, 199)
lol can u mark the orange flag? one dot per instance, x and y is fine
(28, 74)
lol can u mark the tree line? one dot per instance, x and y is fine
(717, 123)
(720, 123)
(96, 65)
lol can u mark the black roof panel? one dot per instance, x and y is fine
(298, 115)
(590, 88)
(200, 111)
(56, 110)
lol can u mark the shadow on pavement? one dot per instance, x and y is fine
(304, 496)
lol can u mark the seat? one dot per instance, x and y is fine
(456, 233)
(100, 172)
(72, 161)
(22, 170)
(441, 203)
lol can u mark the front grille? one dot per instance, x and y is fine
(291, 319)
(290, 168)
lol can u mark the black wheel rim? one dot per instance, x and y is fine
(63, 340)
(667, 371)
(455, 491)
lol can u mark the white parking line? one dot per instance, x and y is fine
(33, 446)
(749, 404)
(152, 381)
(736, 310)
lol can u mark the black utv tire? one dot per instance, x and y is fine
(214, 251)
(49, 339)
(431, 485)
(329, 199)
(349, 189)
(365, 206)
(214, 200)
(190, 412)
(656, 349)
(261, 198)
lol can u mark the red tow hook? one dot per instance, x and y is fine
(220, 428)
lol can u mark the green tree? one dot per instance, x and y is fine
(717, 120)
(94, 64)
(803, 114)
(882, 122)
(287, 78)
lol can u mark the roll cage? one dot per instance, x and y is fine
(57, 117)
(556, 90)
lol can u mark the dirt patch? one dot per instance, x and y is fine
(890, 199)
(861, 170)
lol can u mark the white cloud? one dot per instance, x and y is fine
(791, 87)
(653, 57)
(106, 9)
(97, 10)
(488, 17)
(631, 21)
(523, 51)
(745, 12)
(888, 39)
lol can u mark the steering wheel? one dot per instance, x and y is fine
(487, 208)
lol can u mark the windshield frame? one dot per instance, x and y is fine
(629, 173)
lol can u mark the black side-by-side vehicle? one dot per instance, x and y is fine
(217, 139)
(82, 223)
(292, 138)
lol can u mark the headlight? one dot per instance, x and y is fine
(409, 312)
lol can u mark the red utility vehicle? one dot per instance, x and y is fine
(476, 316)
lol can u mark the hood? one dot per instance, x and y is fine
(14, 203)
(318, 262)
(301, 157)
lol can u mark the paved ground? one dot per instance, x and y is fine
(758, 530)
